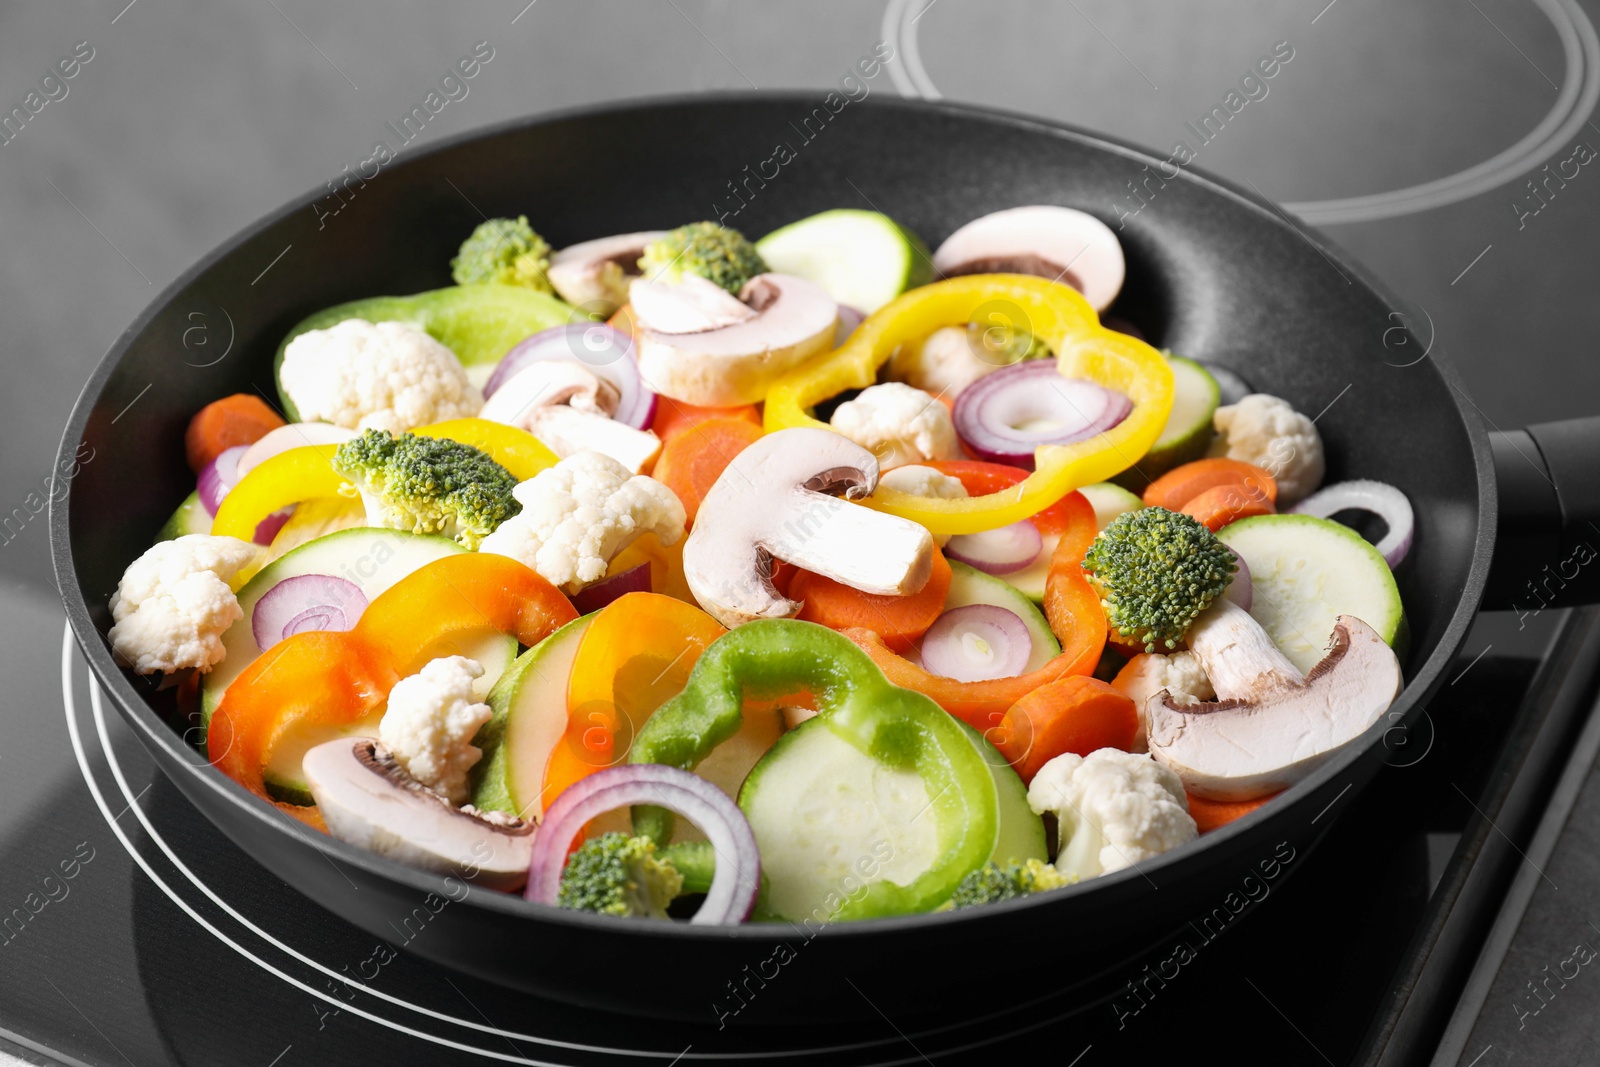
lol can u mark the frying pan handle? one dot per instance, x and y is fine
(1547, 552)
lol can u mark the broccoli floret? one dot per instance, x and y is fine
(714, 252)
(615, 874)
(505, 251)
(1156, 570)
(992, 883)
(428, 485)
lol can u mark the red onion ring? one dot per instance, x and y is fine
(1381, 499)
(306, 602)
(606, 352)
(1001, 551)
(737, 880)
(849, 319)
(218, 477)
(294, 435)
(977, 643)
(603, 592)
(991, 413)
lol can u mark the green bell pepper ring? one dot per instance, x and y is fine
(899, 728)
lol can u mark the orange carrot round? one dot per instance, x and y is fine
(692, 461)
(1182, 484)
(673, 417)
(240, 419)
(899, 620)
(622, 319)
(1222, 504)
(1076, 714)
(1211, 814)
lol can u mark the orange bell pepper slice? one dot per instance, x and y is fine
(635, 656)
(332, 678)
(1070, 604)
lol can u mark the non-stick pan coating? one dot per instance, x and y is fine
(1213, 274)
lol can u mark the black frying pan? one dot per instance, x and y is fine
(1212, 273)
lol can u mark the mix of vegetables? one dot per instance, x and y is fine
(671, 575)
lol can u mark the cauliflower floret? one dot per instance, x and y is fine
(376, 376)
(945, 361)
(173, 604)
(577, 515)
(1113, 810)
(1148, 673)
(1266, 431)
(430, 722)
(899, 424)
(925, 481)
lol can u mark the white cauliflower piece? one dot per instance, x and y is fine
(577, 515)
(1267, 432)
(173, 603)
(1148, 673)
(898, 424)
(430, 722)
(945, 361)
(925, 481)
(1113, 810)
(376, 376)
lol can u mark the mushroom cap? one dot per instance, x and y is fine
(1052, 242)
(776, 500)
(692, 305)
(1240, 749)
(547, 383)
(734, 364)
(593, 274)
(367, 799)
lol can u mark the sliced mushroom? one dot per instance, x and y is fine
(1044, 240)
(773, 501)
(594, 274)
(568, 407)
(367, 799)
(692, 305)
(1269, 727)
(566, 431)
(734, 364)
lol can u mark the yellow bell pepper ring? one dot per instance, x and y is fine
(1057, 314)
(307, 473)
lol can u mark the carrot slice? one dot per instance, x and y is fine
(240, 419)
(1182, 484)
(1222, 504)
(1076, 714)
(981, 479)
(674, 417)
(1075, 615)
(899, 620)
(622, 319)
(691, 462)
(1211, 814)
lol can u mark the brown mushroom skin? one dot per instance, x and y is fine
(780, 499)
(367, 799)
(1245, 747)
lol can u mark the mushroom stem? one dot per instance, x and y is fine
(1239, 656)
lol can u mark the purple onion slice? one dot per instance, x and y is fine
(737, 880)
(1004, 416)
(306, 602)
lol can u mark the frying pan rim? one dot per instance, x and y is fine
(155, 732)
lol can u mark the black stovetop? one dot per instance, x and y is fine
(148, 937)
